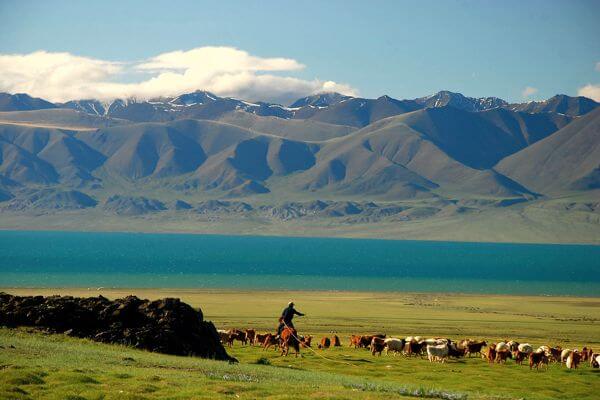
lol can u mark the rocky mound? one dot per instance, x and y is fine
(164, 326)
(131, 205)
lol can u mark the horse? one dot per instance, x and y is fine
(289, 338)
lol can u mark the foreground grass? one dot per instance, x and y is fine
(59, 367)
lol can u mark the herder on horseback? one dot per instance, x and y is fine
(286, 317)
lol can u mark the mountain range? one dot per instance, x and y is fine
(169, 152)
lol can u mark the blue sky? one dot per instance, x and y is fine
(403, 49)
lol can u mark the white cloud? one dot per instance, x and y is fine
(226, 71)
(590, 91)
(528, 92)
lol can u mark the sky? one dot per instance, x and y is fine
(282, 50)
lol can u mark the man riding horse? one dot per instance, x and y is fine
(287, 315)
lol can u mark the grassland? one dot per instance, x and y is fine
(58, 367)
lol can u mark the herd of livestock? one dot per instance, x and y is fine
(436, 349)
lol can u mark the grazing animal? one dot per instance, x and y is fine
(394, 345)
(365, 340)
(512, 345)
(236, 334)
(250, 335)
(586, 354)
(520, 356)
(537, 358)
(475, 347)
(573, 360)
(564, 354)
(490, 353)
(502, 355)
(437, 353)
(289, 338)
(555, 353)
(595, 360)
(270, 340)
(377, 345)
(414, 348)
(224, 336)
(325, 343)
(355, 341)
(455, 351)
(305, 341)
(259, 338)
(525, 348)
(336, 341)
(502, 346)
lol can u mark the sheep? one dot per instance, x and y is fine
(502, 346)
(437, 353)
(525, 348)
(564, 354)
(394, 345)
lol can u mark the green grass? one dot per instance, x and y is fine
(59, 367)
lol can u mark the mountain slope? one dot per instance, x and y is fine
(358, 112)
(567, 160)
(563, 104)
(22, 102)
(457, 100)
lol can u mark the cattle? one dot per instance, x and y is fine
(414, 348)
(355, 341)
(225, 337)
(336, 341)
(437, 353)
(394, 345)
(270, 340)
(475, 347)
(537, 358)
(250, 335)
(573, 360)
(305, 341)
(377, 345)
(365, 340)
(259, 338)
(236, 334)
(595, 360)
(325, 343)
(289, 338)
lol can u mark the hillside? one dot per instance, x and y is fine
(568, 160)
(387, 167)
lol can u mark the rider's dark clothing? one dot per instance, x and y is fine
(286, 318)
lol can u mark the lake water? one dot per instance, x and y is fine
(75, 259)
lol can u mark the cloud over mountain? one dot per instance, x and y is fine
(225, 71)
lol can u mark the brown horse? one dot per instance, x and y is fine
(289, 338)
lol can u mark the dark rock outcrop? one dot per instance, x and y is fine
(164, 326)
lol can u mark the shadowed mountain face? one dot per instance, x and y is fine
(22, 102)
(445, 146)
(567, 160)
(573, 106)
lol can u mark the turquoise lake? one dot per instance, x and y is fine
(75, 259)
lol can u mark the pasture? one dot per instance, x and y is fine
(56, 366)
